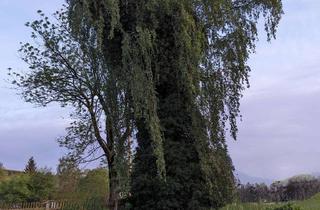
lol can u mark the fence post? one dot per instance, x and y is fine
(47, 205)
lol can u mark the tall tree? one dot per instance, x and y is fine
(72, 71)
(31, 166)
(186, 62)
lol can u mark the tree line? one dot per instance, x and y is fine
(154, 85)
(296, 188)
(41, 184)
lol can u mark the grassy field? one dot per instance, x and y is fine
(311, 204)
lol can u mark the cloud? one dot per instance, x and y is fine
(25, 130)
(26, 136)
(278, 136)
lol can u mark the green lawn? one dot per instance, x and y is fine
(311, 204)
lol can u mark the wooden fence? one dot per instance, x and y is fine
(56, 205)
(49, 205)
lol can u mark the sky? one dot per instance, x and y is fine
(278, 135)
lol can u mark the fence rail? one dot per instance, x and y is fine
(49, 205)
(55, 205)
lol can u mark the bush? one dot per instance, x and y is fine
(15, 189)
(286, 207)
(27, 187)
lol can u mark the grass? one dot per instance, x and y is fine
(310, 204)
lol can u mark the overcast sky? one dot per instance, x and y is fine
(278, 136)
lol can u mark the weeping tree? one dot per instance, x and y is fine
(186, 65)
(71, 71)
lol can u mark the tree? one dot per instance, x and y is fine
(90, 184)
(68, 175)
(41, 185)
(31, 166)
(73, 72)
(186, 63)
(2, 173)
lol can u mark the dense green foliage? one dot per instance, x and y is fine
(15, 190)
(70, 183)
(30, 186)
(185, 62)
(27, 188)
(41, 185)
(68, 175)
(76, 184)
(94, 184)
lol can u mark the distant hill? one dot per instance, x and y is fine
(299, 177)
(8, 172)
(245, 178)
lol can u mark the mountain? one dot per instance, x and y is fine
(245, 178)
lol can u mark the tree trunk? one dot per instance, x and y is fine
(113, 198)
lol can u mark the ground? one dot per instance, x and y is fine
(310, 204)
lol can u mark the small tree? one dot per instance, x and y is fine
(2, 173)
(90, 184)
(68, 175)
(41, 185)
(31, 166)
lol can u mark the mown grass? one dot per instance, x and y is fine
(310, 204)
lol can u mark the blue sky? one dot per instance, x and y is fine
(25, 130)
(278, 136)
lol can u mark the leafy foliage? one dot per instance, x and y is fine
(185, 62)
(41, 185)
(33, 187)
(94, 184)
(72, 71)
(15, 190)
(68, 177)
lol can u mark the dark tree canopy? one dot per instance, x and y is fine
(31, 166)
(186, 62)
